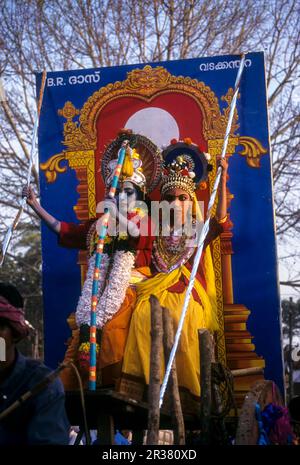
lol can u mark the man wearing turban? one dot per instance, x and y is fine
(42, 418)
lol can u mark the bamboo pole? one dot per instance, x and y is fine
(206, 355)
(30, 157)
(247, 371)
(155, 366)
(176, 412)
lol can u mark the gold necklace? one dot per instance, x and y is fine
(170, 255)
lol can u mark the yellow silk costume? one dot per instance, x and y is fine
(137, 352)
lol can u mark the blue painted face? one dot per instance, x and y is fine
(127, 196)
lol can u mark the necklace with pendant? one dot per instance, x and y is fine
(170, 252)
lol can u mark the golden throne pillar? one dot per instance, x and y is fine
(239, 347)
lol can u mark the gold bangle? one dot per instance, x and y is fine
(223, 220)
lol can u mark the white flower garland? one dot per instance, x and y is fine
(114, 293)
(83, 310)
(111, 298)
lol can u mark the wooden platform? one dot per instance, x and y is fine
(108, 410)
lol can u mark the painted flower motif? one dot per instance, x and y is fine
(203, 185)
(173, 141)
(187, 140)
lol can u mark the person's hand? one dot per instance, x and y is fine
(29, 193)
(224, 165)
(111, 205)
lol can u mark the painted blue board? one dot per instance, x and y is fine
(254, 262)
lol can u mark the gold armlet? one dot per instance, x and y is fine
(223, 220)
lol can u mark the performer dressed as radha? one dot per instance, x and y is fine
(172, 259)
(126, 257)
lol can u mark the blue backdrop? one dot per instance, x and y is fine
(254, 262)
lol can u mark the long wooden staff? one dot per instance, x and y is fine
(203, 234)
(98, 259)
(15, 223)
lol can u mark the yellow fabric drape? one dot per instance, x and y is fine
(137, 351)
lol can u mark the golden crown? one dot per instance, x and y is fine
(142, 164)
(179, 180)
(185, 165)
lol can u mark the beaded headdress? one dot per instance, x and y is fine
(185, 166)
(142, 165)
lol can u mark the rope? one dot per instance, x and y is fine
(203, 234)
(16, 220)
(82, 400)
(222, 379)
